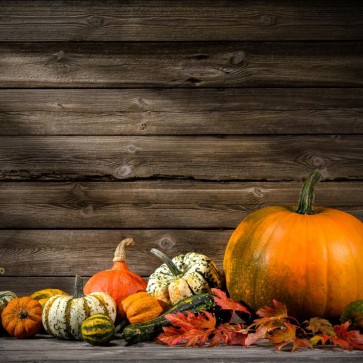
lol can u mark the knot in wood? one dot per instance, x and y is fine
(166, 243)
(96, 21)
(238, 58)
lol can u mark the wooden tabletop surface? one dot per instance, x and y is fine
(44, 348)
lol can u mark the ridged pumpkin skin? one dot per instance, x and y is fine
(141, 307)
(310, 262)
(22, 317)
(120, 281)
(63, 315)
(98, 329)
(44, 295)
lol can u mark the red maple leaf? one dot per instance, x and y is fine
(227, 303)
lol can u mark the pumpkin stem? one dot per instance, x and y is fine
(120, 254)
(171, 265)
(307, 193)
(78, 287)
(22, 314)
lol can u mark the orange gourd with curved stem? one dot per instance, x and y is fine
(120, 281)
(308, 258)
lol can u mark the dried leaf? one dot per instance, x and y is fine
(253, 338)
(286, 335)
(319, 325)
(278, 312)
(227, 303)
(189, 328)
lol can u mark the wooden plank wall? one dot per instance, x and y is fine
(168, 121)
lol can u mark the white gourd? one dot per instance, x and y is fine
(63, 315)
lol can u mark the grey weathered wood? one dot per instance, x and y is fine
(25, 286)
(175, 205)
(197, 157)
(181, 111)
(316, 64)
(43, 348)
(84, 252)
(186, 20)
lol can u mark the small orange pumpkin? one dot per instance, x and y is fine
(141, 307)
(307, 258)
(120, 281)
(22, 317)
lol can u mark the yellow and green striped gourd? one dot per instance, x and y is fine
(44, 295)
(98, 329)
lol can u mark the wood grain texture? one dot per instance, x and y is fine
(152, 204)
(181, 111)
(186, 20)
(236, 64)
(44, 252)
(196, 157)
(44, 348)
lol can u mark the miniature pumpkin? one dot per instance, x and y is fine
(98, 329)
(307, 258)
(22, 317)
(63, 315)
(44, 295)
(183, 276)
(120, 281)
(141, 307)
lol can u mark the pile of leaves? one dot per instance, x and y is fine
(273, 324)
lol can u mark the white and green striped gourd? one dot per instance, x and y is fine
(183, 276)
(5, 298)
(63, 315)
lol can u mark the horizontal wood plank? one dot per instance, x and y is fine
(181, 111)
(44, 348)
(238, 64)
(197, 157)
(186, 20)
(172, 205)
(84, 252)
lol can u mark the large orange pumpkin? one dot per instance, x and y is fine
(309, 258)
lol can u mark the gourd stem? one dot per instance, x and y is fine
(171, 265)
(22, 314)
(78, 287)
(120, 253)
(307, 193)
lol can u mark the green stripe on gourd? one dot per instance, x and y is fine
(183, 276)
(98, 329)
(63, 315)
(5, 298)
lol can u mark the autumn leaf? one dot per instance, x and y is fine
(189, 328)
(228, 334)
(286, 335)
(198, 329)
(353, 337)
(279, 311)
(227, 303)
(257, 336)
(319, 325)
(271, 318)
